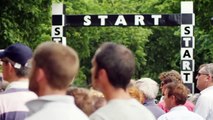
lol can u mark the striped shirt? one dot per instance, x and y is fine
(13, 99)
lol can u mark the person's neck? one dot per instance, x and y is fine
(15, 78)
(116, 93)
(209, 85)
(51, 91)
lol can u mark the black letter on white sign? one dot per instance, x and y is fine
(57, 31)
(187, 31)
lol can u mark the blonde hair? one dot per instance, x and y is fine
(87, 100)
(134, 92)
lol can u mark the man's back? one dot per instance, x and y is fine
(204, 105)
(188, 104)
(55, 107)
(154, 108)
(180, 113)
(12, 104)
(122, 109)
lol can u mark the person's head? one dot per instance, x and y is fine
(94, 101)
(54, 66)
(135, 93)
(114, 64)
(87, 100)
(91, 103)
(14, 61)
(204, 76)
(79, 95)
(169, 76)
(149, 87)
(175, 94)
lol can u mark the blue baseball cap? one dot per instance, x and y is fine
(18, 53)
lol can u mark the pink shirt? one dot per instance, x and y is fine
(189, 105)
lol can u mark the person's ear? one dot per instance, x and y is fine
(172, 98)
(210, 78)
(103, 76)
(103, 73)
(10, 67)
(40, 75)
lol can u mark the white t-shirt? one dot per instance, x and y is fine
(204, 105)
(55, 107)
(180, 113)
(122, 109)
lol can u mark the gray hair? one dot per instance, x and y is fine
(208, 68)
(149, 87)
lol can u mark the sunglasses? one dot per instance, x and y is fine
(199, 74)
(4, 61)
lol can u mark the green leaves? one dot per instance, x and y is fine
(156, 49)
(21, 21)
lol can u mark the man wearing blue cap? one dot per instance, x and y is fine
(14, 61)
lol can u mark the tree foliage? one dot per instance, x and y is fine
(24, 21)
(157, 49)
(87, 40)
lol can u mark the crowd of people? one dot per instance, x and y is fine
(38, 86)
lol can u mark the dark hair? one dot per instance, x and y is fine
(22, 72)
(179, 91)
(118, 61)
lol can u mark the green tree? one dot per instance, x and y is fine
(87, 40)
(163, 48)
(24, 21)
(157, 49)
(203, 32)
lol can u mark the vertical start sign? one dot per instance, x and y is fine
(58, 23)
(187, 43)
